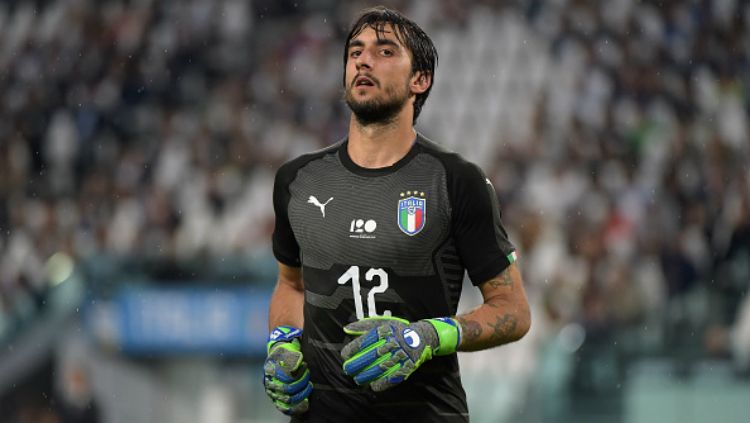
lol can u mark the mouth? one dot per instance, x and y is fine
(363, 81)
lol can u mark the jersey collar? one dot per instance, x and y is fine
(380, 171)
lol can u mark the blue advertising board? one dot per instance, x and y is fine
(231, 321)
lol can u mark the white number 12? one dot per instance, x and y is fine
(353, 274)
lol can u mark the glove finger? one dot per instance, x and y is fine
(282, 376)
(299, 408)
(388, 380)
(291, 398)
(375, 344)
(292, 404)
(360, 361)
(401, 374)
(362, 326)
(299, 384)
(281, 382)
(301, 395)
(397, 356)
(278, 386)
(279, 396)
(361, 343)
(274, 370)
(374, 371)
(295, 409)
(275, 385)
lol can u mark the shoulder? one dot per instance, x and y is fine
(457, 168)
(287, 172)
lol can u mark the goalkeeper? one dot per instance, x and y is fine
(363, 324)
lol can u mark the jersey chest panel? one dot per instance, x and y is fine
(394, 221)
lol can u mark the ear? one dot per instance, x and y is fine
(420, 82)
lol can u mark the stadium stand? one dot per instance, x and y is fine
(140, 139)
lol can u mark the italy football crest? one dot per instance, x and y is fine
(412, 212)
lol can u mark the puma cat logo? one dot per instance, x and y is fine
(314, 201)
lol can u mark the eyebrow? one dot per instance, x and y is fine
(379, 42)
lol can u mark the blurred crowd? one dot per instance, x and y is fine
(155, 128)
(632, 196)
(151, 128)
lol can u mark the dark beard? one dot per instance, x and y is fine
(374, 111)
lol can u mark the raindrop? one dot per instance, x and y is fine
(572, 337)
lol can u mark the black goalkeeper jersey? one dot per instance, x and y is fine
(390, 241)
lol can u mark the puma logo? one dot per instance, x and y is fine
(314, 201)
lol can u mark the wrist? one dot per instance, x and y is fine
(282, 333)
(448, 333)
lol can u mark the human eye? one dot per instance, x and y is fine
(386, 52)
(355, 53)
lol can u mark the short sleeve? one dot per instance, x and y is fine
(285, 246)
(481, 239)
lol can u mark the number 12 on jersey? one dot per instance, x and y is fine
(352, 274)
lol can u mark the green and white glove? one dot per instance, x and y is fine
(388, 350)
(287, 378)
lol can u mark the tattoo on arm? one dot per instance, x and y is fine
(470, 329)
(503, 280)
(504, 326)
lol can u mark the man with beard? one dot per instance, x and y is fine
(373, 236)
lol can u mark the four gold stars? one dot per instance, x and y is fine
(415, 192)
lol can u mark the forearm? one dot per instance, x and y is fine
(286, 306)
(490, 325)
(504, 317)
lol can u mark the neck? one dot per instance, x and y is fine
(380, 145)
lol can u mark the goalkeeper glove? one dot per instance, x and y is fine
(388, 349)
(287, 378)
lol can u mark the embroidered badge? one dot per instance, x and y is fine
(412, 212)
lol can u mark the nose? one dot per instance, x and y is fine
(364, 60)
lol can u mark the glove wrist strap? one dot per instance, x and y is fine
(449, 334)
(282, 334)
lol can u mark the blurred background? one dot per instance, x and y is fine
(138, 144)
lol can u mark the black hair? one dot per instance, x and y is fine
(424, 54)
